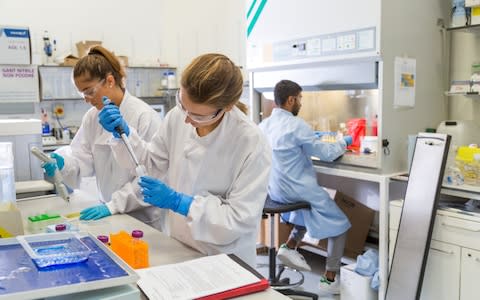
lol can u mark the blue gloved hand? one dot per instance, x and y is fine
(348, 139)
(95, 212)
(159, 194)
(111, 119)
(50, 167)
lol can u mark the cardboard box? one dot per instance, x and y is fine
(354, 286)
(15, 46)
(84, 46)
(70, 60)
(360, 217)
(123, 60)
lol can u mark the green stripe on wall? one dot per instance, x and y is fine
(251, 8)
(255, 17)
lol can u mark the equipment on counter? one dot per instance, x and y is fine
(23, 134)
(60, 187)
(101, 270)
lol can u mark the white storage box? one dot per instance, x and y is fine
(354, 286)
(15, 45)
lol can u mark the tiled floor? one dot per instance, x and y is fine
(312, 278)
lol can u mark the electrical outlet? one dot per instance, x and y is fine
(58, 110)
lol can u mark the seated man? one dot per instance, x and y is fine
(293, 178)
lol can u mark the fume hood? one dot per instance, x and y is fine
(342, 53)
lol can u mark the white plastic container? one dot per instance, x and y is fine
(369, 144)
(7, 177)
(354, 286)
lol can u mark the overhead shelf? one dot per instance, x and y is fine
(468, 94)
(470, 28)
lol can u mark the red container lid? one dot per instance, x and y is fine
(60, 227)
(103, 238)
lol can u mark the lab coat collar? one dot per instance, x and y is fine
(280, 111)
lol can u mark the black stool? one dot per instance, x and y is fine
(284, 285)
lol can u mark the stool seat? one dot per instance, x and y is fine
(277, 281)
(274, 207)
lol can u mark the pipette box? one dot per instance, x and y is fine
(22, 278)
(54, 249)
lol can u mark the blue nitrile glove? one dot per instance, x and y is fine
(95, 212)
(50, 167)
(318, 134)
(348, 139)
(159, 194)
(111, 119)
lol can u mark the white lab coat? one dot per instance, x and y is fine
(91, 155)
(226, 172)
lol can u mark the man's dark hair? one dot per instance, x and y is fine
(284, 89)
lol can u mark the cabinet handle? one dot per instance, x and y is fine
(442, 251)
(460, 227)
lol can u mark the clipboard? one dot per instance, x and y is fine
(262, 285)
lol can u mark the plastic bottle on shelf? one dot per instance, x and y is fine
(459, 13)
(171, 80)
(45, 125)
(164, 81)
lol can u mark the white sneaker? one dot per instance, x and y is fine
(292, 258)
(326, 286)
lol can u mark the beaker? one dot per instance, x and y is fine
(7, 177)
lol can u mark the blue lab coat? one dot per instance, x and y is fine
(293, 177)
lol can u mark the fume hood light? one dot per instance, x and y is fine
(355, 94)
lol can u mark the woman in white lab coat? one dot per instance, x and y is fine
(212, 161)
(96, 75)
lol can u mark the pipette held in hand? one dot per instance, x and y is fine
(140, 169)
(57, 177)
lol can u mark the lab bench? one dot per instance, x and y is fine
(162, 249)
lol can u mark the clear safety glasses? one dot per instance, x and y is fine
(196, 118)
(90, 92)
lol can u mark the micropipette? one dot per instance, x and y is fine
(57, 177)
(140, 170)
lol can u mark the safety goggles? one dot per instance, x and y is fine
(90, 92)
(194, 117)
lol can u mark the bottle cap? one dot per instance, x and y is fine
(103, 238)
(60, 227)
(137, 233)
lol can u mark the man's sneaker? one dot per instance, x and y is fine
(291, 258)
(327, 286)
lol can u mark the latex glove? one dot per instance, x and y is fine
(111, 119)
(95, 212)
(161, 195)
(348, 140)
(50, 167)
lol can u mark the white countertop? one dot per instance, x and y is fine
(162, 249)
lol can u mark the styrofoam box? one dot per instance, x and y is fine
(354, 286)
